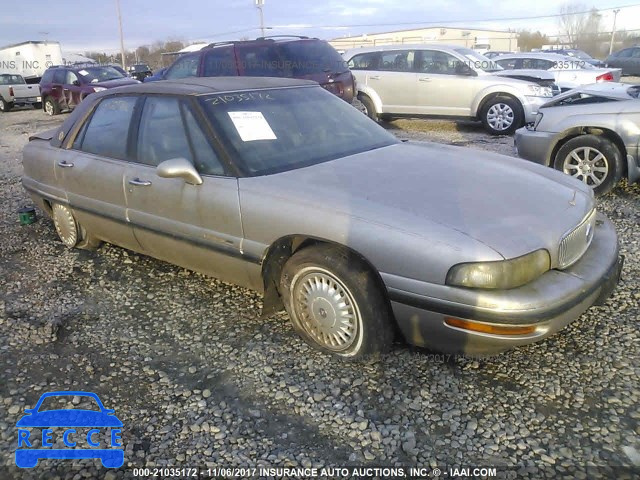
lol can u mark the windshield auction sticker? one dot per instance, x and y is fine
(252, 126)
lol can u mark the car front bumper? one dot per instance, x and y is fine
(531, 106)
(549, 303)
(533, 145)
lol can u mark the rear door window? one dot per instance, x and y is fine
(397, 61)
(108, 129)
(364, 61)
(262, 61)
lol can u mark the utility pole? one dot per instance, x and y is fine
(259, 5)
(613, 32)
(121, 36)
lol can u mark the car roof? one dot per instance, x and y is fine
(205, 85)
(404, 46)
(554, 57)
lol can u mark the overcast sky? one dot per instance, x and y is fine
(84, 26)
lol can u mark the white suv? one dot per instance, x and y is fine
(444, 80)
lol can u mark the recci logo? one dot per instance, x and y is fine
(69, 433)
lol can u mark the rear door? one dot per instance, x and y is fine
(92, 171)
(195, 226)
(59, 77)
(394, 81)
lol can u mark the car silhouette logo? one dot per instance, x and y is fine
(69, 420)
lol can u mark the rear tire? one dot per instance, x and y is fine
(51, 107)
(335, 303)
(593, 159)
(5, 106)
(71, 233)
(502, 115)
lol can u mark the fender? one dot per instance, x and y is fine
(371, 93)
(496, 89)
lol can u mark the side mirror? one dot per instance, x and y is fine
(179, 168)
(76, 83)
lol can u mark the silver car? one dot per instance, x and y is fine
(442, 80)
(570, 72)
(280, 186)
(591, 133)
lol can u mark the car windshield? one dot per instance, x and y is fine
(478, 61)
(276, 130)
(100, 74)
(308, 57)
(11, 79)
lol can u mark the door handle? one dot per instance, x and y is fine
(375, 77)
(424, 79)
(140, 183)
(64, 164)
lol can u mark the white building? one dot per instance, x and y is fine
(502, 40)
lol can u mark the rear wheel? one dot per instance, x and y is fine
(51, 107)
(335, 303)
(502, 115)
(593, 159)
(70, 232)
(5, 106)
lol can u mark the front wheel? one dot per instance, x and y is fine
(335, 303)
(368, 108)
(502, 116)
(593, 159)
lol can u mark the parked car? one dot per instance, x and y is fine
(442, 80)
(285, 56)
(224, 176)
(63, 87)
(158, 75)
(627, 59)
(495, 53)
(140, 71)
(579, 54)
(14, 92)
(570, 72)
(590, 133)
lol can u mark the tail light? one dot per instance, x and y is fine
(605, 77)
(11, 91)
(335, 87)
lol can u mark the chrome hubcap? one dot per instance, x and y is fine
(587, 164)
(500, 116)
(48, 107)
(65, 225)
(325, 309)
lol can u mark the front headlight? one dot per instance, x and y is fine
(98, 89)
(502, 274)
(539, 91)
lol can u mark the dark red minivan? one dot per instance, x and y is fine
(65, 86)
(282, 56)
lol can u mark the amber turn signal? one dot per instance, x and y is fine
(488, 328)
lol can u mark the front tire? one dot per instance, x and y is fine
(593, 159)
(369, 108)
(51, 107)
(335, 303)
(502, 116)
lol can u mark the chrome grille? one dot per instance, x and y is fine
(576, 242)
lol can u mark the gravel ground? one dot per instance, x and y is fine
(200, 380)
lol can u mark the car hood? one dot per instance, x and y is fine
(117, 82)
(69, 418)
(510, 205)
